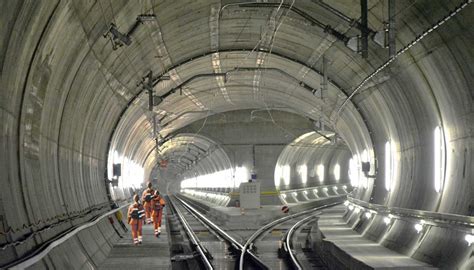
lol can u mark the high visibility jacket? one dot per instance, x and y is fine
(136, 211)
(147, 195)
(157, 203)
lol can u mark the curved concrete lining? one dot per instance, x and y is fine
(67, 100)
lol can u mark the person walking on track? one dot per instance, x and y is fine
(136, 214)
(158, 203)
(147, 196)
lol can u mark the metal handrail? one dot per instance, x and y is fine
(453, 221)
(314, 187)
(38, 257)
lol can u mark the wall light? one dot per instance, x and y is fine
(469, 239)
(387, 220)
(320, 172)
(368, 215)
(303, 170)
(351, 207)
(357, 210)
(439, 158)
(337, 172)
(388, 164)
(286, 174)
(354, 174)
(419, 226)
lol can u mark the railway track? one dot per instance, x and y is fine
(214, 248)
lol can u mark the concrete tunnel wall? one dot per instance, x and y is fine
(63, 90)
(312, 150)
(253, 139)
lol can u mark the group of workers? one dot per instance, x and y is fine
(151, 211)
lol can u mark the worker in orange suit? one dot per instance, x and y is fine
(147, 196)
(136, 214)
(158, 203)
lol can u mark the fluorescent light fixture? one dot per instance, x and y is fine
(346, 203)
(320, 172)
(364, 158)
(357, 210)
(351, 207)
(286, 174)
(439, 158)
(344, 187)
(388, 165)
(303, 170)
(387, 220)
(368, 214)
(354, 171)
(337, 172)
(325, 189)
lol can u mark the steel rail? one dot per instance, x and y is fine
(237, 245)
(289, 236)
(272, 224)
(192, 236)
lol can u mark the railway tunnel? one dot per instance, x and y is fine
(352, 119)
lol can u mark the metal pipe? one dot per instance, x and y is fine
(173, 90)
(327, 28)
(400, 52)
(391, 29)
(364, 33)
(341, 15)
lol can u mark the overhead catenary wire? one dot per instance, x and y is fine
(399, 53)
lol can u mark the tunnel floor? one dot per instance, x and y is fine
(347, 243)
(153, 253)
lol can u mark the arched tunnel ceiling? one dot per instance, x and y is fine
(69, 93)
(68, 99)
(262, 57)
